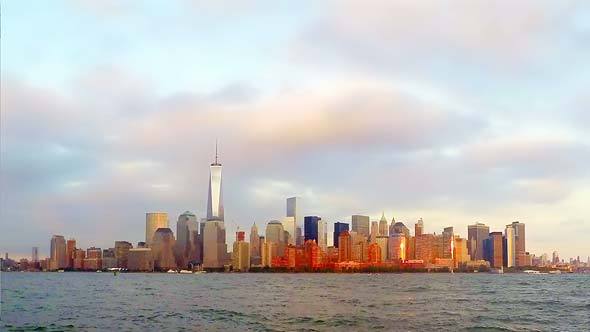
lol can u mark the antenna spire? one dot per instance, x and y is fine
(216, 155)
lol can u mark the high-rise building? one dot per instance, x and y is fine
(383, 227)
(374, 231)
(425, 247)
(339, 227)
(79, 257)
(310, 228)
(254, 245)
(519, 244)
(289, 227)
(269, 251)
(70, 252)
(460, 255)
(241, 254)
(214, 246)
(122, 253)
(109, 259)
(399, 228)
(322, 235)
(153, 221)
(397, 247)
(509, 246)
(344, 246)
(293, 211)
(493, 249)
(476, 234)
(419, 227)
(383, 242)
(215, 197)
(360, 247)
(276, 234)
(58, 257)
(35, 255)
(299, 236)
(163, 249)
(360, 224)
(93, 260)
(140, 259)
(448, 241)
(374, 253)
(186, 226)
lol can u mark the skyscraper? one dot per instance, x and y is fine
(322, 235)
(383, 227)
(254, 245)
(493, 249)
(214, 246)
(163, 249)
(476, 234)
(276, 234)
(70, 252)
(374, 231)
(519, 244)
(186, 226)
(339, 227)
(122, 253)
(419, 227)
(289, 227)
(215, 198)
(153, 221)
(35, 255)
(310, 228)
(509, 246)
(344, 246)
(360, 224)
(448, 241)
(293, 211)
(58, 258)
(397, 247)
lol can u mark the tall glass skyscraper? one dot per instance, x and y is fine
(215, 198)
(310, 228)
(339, 227)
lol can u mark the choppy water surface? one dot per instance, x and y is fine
(278, 302)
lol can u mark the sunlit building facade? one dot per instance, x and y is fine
(360, 225)
(509, 246)
(476, 235)
(397, 247)
(153, 221)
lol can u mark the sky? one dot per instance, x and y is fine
(461, 112)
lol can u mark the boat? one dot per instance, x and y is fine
(171, 271)
(533, 272)
(199, 272)
(185, 272)
(98, 271)
(555, 272)
(60, 271)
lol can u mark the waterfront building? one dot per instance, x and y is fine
(322, 242)
(163, 249)
(419, 228)
(374, 253)
(312, 254)
(109, 259)
(383, 243)
(397, 247)
(411, 248)
(383, 227)
(509, 246)
(269, 252)
(519, 244)
(310, 227)
(241, 255)
(461, 253)
(58, 257)
(153, 221)
(140, 260)
(339, 227)
(425, 244)
(79, 257)
(93, 260)
(448, 239)
(122, 253)
(276, 234)
(360, 248)
(493, 249)
(360, 225)
(70, 251)
(214, 247)
(476, 234)
(254, 245)
(186, 226)
(344, 245)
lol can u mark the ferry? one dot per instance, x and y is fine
(185, 272)
(531, 272)
(171, 271)
(555, 272)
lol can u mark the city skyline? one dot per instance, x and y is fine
(456, 122)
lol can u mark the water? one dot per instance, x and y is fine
(279, 302)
